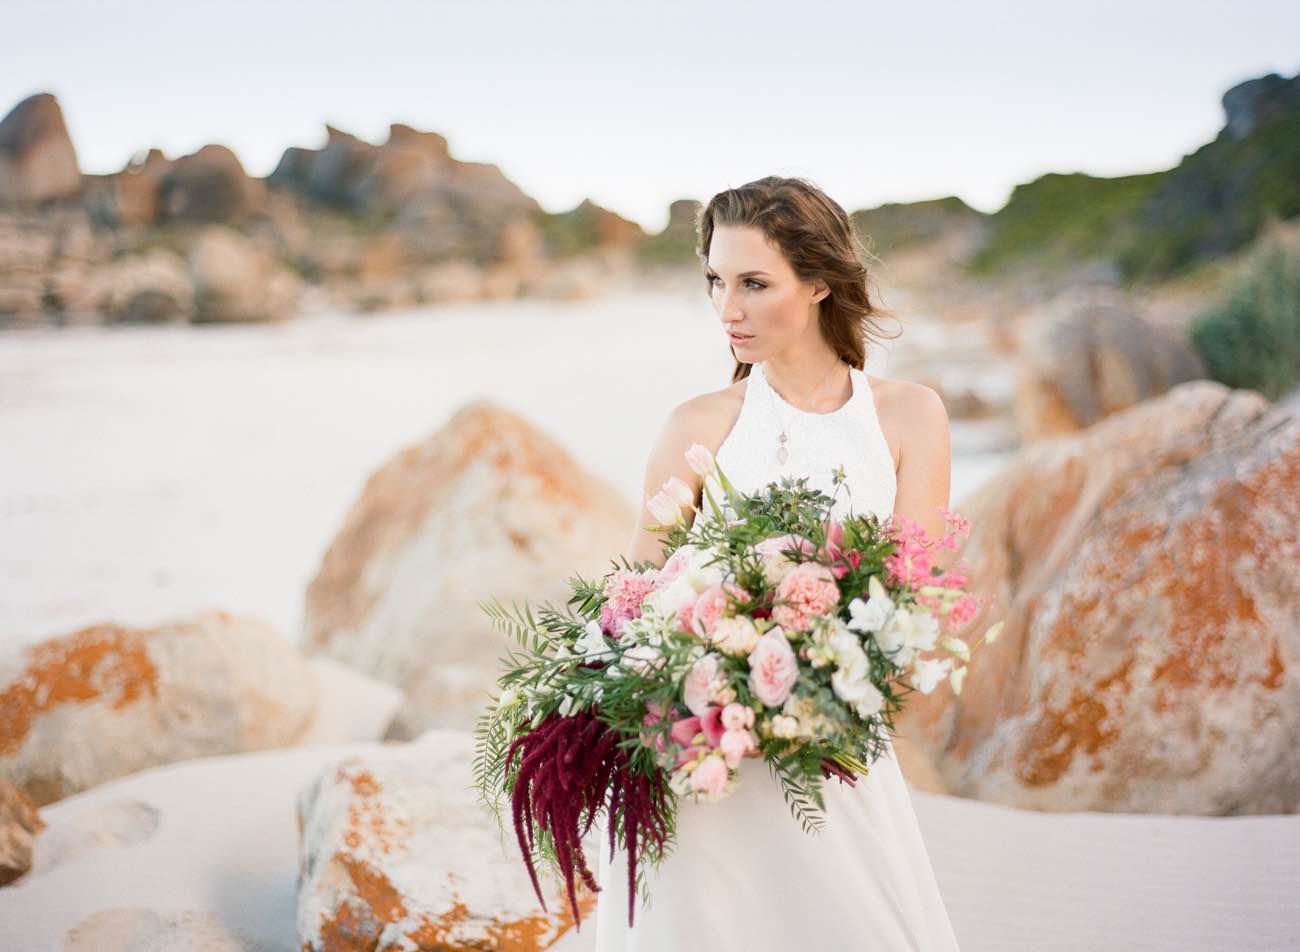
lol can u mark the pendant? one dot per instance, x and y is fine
(782, 454)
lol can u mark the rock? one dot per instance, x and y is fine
(397, 852)
(452, 281)
(153, 287)
(1150, 660)
(209, 186)
(487, 507)
(1089, 355)
(574, 279)
(235, 280)
(107, 700)
(20, 821)
(133, 196)
(37, 158)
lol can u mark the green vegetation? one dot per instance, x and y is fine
(896, 225)
(1251, 338)
(1217, 200)
(1060, 220)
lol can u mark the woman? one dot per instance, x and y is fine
(785, 277)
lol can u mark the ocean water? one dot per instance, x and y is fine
(148, 472)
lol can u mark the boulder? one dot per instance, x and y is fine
(108, 700)
(397, 852)
(152, 287)
(1145, 569)
(488, 506)
(37, 158)
(209, 186)
(1091, 354)
(236, 280)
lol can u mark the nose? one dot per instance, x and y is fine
(727, 310)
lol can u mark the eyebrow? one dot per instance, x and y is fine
(744, 274)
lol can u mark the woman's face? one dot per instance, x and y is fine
(756, 294)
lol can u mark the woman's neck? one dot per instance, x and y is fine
(817, 383)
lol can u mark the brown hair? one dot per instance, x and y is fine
(818, 239)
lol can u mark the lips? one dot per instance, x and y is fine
(739, 338)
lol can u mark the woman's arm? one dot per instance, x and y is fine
(924, 459)
(667, 458)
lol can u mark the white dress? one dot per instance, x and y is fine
(744, 875)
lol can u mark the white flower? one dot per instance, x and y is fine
(735, 635)
(592, 640)
(846, 647)
(509, 698)
(955, 646)
(643, 658)
(783, 725)
(926, 673)
(871, 615)
(957, 677)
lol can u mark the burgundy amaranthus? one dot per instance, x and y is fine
(570, 769)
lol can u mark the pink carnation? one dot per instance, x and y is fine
(624, 592)
(806, 591)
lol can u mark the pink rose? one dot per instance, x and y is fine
(735, 744)
(674, 567)
(737, 717)
(686, 616)
(773, 668)
(806, 591)
(712, 606)
(710, 777)
(700, 684)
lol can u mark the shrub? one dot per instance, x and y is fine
(1251, 337)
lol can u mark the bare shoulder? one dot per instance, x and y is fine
(910, 414)
(709, 417)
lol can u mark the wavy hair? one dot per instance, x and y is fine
(817, 237)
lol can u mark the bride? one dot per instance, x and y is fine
(786, 279)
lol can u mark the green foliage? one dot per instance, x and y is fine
(1059, 220)
(1251, 338)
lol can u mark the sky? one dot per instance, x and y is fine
(634, 105)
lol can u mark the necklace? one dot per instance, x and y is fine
(782, 452)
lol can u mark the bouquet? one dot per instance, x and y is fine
(772, 630)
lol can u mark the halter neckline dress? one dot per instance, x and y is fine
(744, 874)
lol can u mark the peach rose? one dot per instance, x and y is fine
(773, 668)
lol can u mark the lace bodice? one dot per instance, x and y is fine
(817, 443)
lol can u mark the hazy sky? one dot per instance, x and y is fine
(635, 104)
